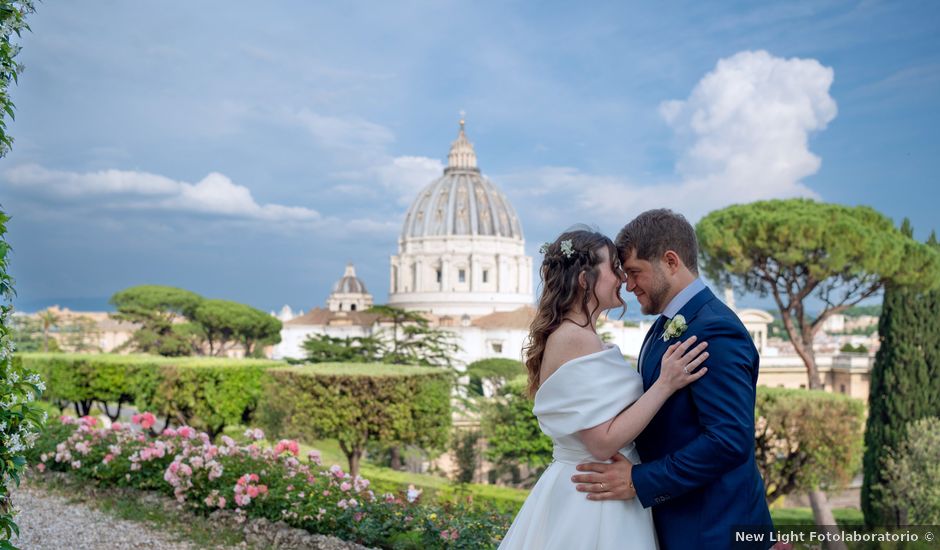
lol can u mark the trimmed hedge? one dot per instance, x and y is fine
(206, 393)
(358, 403)
(806, 439)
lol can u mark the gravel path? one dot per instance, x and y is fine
(49, 521)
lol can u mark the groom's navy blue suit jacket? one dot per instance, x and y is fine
(698, 469)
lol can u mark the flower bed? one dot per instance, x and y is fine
(258, 482)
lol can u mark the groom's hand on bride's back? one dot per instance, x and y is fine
(606, 481)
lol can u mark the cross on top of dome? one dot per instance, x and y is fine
(461, 156)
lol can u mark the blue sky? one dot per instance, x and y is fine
(248, 151)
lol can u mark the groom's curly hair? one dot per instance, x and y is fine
(654, 232)
(572, 253)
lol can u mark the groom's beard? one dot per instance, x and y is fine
(657, 296)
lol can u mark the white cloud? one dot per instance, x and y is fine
(344, 133)
(743, 134)
(215, 194)
(402, 177)
(746, 126)
(406, 176)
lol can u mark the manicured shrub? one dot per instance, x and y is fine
(206, 393)
(806, 439)
(84, 379)
(356, 404)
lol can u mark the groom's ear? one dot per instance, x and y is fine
(672, 261)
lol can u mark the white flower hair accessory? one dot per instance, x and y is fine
(567, 248)
(675, 328)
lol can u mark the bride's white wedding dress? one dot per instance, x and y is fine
(582, 393)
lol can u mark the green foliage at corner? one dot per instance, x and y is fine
(806, 439)
(905, 386)
(205, 393)
(912, 474)
(356, 404)
(495, 371)
(20, 419)
(512, 431)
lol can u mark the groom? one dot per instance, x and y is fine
(698, 471)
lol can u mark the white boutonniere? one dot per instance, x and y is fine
(674, 328)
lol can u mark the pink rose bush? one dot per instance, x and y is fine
(257, 480)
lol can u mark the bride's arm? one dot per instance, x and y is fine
(606, 439)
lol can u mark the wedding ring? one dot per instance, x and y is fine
(603, 487)
(685, 369)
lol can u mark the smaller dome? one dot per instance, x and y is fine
(350, 284)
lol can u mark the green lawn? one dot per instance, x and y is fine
(846, 517)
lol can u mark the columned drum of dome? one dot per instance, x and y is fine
(461, 249)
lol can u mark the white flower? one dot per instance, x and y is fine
(566, 248)
(674, 328)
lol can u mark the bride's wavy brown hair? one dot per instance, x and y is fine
(561, 291)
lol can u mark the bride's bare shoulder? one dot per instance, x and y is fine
(569, 341)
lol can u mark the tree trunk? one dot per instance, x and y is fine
(812, 371)
(354, 458)
(395, 452)
(116, 415)
(353, 452)
(802, 339)
(822, 513)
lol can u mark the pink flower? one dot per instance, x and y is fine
(221, 502)
(252, 491)
(145, 420)
(314, 456)
(254, 434)
(345, 486)
(41, 467)
(343, 504)
(108, 458)
(186, 431)
(89, 421)
(288, 445)
(117, 426)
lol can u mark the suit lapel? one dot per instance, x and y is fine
(648, 342)
(655, 348)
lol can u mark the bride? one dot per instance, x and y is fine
(588, 400)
